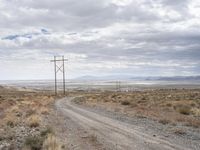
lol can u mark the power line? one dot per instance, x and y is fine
(57, 69)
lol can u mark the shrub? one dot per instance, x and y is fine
(30, 112)
(33, 121)
(11, 120)
(169, 105)
(44, 110)
(47, 131)
(34, 142)
(185, 110)
(10, 123)
(51, 143)
(125, 103)
(196, 112)
(143, 98)
(164, 121)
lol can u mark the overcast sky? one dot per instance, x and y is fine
(99, 37)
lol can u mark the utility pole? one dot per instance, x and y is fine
(55, 66)
(118, 86)
(61, 68)
(63, 60)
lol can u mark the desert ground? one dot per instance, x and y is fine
(22, 114)
(152, 118)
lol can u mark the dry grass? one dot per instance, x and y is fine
(30, 111)
(164, 105)
(36, 142)
(33, 121)
(196, 112)
(51, 143)
(14, 109)
(11, 120)
(185, 110)
(44, 110)
(125, 103)
(24, 109)
(33, 143)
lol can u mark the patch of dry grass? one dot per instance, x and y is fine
(30, 112)
(44, 110)
(185, 110)
(24, 109)
(11, 120)
(33, 143)
(196, 112)
(51, 143)
(14, 109)
(125, 102)
(33, 121)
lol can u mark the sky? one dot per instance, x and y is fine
(99, 37)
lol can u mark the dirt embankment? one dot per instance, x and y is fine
(22, 114)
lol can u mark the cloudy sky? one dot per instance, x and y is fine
(99, 37)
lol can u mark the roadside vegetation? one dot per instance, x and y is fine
(167, 106)
(22, 115)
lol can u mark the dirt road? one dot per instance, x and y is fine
(112, 133)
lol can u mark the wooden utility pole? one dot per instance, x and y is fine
(118, 86)
(63, 60)
(60, 68)
(55, 75)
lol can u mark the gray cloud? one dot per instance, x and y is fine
(148, 37)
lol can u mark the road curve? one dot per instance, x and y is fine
(112, 133)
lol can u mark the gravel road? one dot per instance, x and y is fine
(112, 133)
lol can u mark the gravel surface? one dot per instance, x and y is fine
(85, 128)
(180, 134)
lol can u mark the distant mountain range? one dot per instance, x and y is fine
(178, 78)
(129, 77)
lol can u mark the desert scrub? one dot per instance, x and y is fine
(33, 121)
(164, 121)
(34, 143)
(196, 112)
(10, 123)
(79, 100)
(185, 110)
(51, 143)
(14, 109)
(46, 131)
(169, 105)
(125, 102)
(11, 120)
(39, 142)
(44, 110)
(30, 112)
